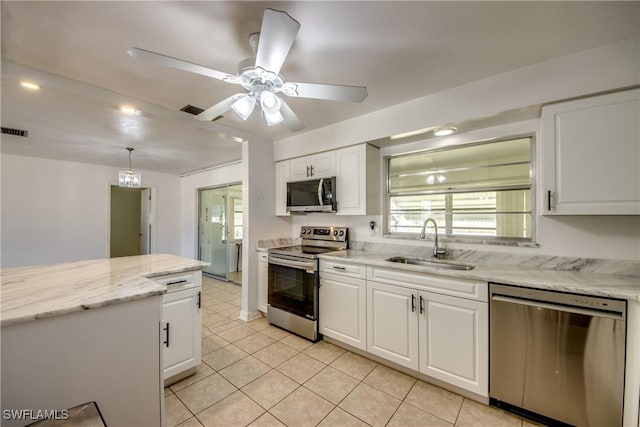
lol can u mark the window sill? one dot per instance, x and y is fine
(520, 243)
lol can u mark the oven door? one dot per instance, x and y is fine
(293, 286)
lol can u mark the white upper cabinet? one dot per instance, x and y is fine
(591, 156)
(358, 180)
(320, 165)
(282, 177)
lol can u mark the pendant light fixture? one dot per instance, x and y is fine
(129, 178)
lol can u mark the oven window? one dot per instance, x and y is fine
(293, 290)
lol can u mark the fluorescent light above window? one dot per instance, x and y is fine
(410, 133)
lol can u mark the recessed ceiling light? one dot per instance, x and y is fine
(29, 85)
(129, 109)
(444, 131)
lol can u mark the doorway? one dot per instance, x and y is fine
(220, 231)
(130, 221)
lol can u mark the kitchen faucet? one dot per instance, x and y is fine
(437, 251)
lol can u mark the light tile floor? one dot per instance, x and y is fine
(254, 374)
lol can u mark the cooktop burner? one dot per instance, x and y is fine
(303, 250)
(315, 241)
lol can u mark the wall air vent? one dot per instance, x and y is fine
(16, 132)
(195, 111)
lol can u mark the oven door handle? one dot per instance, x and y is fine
(300, 265)
(576, 310)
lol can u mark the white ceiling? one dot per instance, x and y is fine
(398, 50)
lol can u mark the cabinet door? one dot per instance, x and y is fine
(316, 166)
(323, 165)
(454, 341)
(591, 155)
(343, 309)
(299, 168)
(357, 172)
(263, 277)
(392, 323)
(282, 176)
(181, 344)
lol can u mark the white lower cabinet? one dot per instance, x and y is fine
(181, 311)
(419, 326)
(453, 340)
(392, 323)
(263, 280)
(436, 325)
(343, 309)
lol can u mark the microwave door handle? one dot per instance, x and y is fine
(320, 191)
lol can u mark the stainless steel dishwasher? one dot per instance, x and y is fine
(557, 357)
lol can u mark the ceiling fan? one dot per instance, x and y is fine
(261, 76)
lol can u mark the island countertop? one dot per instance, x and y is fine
(582, 282)
(30, 293)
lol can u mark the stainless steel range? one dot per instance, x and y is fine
(294, 279)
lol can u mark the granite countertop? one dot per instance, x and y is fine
(584, 282)
(30, 293)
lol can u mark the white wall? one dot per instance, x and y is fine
(260, 222)
(190, 184)
(591, 71)
(56, 211)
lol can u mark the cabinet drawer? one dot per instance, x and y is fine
(464, 288)
(343, 268)
(179, 280)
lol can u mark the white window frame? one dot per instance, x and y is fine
(525, 129)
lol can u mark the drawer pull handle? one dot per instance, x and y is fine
(337, 267)
(177, 282)
(548, 200)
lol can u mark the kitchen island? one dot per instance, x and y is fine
(85, 331)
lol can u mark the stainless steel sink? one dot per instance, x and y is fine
(434, 263)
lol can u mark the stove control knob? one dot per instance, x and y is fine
(335, 232)
(341, 233)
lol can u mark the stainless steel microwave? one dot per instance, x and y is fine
(314, 195)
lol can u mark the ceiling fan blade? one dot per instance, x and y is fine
(277, 34)
(168, 61)
(328, 92)
(217, 110)
(291, 121)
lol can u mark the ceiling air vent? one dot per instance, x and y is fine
(195, 111)
(16, 132)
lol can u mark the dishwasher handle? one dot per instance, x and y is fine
(568, 309)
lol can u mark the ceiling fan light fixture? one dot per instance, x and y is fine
(273, 119)
(243, 107)
(269, 102)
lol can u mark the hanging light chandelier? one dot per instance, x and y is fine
(129, 178)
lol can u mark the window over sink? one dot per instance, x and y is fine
(481, 190)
